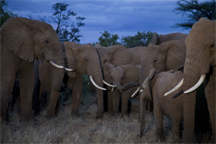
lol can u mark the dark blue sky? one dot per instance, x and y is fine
(122, 17)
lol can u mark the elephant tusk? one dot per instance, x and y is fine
(112, 89)
(175, 88)
(56, 65)
(141, 90)
(196, 85)
(59, 66)
(135, 92)
(92, 80)
(68, 69)
(110, 85)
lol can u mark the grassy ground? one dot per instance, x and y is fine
(83, 129)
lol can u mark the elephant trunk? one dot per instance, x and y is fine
(142, 116)
(127, 86)
(191, 77)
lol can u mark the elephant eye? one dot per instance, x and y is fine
(212, 45)
(155, 61)
(86, 59)
(47, 41)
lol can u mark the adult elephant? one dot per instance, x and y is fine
(164, 57)
(199, 66)
(123, 76)
(84, 60)
(158, 39)
(22, 41)
(154, 87)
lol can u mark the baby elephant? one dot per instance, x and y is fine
(153, 89)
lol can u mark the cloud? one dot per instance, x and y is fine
(123, 17)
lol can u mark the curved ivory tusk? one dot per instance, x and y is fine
(68, 69)
(196, 85)
(59, 66)
(112, 89)
(110, 85)
(92, 80)
(141, 90)
(55, 65)
(175, 88)
(135, 92)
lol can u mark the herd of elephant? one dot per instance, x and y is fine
(32, 54)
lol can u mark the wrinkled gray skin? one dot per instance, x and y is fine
(84, 60)
(200, 59)
(123, 76)
(22, 41)
(158, 39)
(154, 88)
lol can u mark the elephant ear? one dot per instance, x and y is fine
(154, 39)
(176, 53)
(147, 85)
(16, 35)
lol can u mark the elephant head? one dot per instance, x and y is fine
(32, 39)
(167, 56)
(199, 66)
(123, 76)
(158, 39)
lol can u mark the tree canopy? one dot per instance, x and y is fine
(107, 39)
(5, 14)
(67, 29)
(193, 10)
(140, 39)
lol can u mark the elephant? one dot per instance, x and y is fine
(122, 76)
(116, 55)
(154, 87)
(199, 66)
(158, 39)
(166, 56)
(84, 60)
(22, 41)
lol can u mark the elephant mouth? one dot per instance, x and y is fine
(193, 88)
(59, 66)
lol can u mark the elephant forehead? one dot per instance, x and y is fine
(117, 71)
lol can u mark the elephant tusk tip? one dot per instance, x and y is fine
(68, 69)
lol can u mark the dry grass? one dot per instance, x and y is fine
(83, 129)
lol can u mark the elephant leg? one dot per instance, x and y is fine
(6, 88)
(110, 102)
(116, 99)
(211, 100)
(176, 126)
(158, 121)
(125, 98)
(54, 96)
(76, 95)
(8, 74)
(100, 103)
(26, 81)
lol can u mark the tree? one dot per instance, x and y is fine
(140, 39)
(5, 14)
(108, 39)
(67, 30)
(194, 10)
